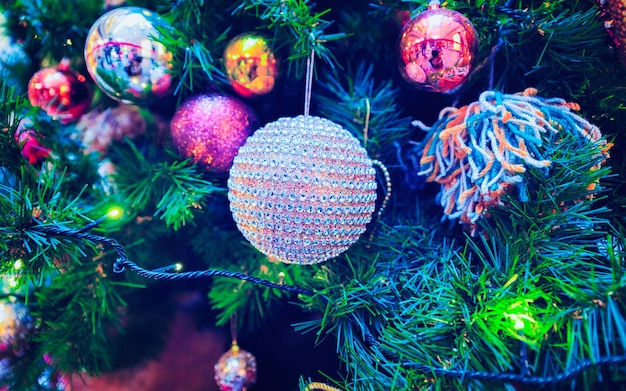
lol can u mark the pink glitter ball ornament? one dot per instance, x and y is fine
(210, 128)
(302, 189)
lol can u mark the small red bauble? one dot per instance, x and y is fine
(32, 149)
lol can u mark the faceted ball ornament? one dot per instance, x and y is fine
(210, 128)
(125, 58)
(437, 49)
(302, 190)
(251, 66)
(63, 94)
(235, 370)
(15, 326)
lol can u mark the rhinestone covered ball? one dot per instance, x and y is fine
(302, 189)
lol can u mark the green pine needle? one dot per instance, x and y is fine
(170, 190)
(299, 28)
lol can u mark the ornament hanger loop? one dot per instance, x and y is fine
(309, 82)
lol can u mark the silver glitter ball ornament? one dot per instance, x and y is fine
(302, 189)
(125, 58)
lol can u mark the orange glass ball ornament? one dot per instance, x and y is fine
(251, 65)
(437, 49)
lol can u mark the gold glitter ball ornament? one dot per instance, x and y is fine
(302, 189)
(235, 370)
(251, 66)
(16, 325)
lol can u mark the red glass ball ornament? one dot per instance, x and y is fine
(436, 49)
(63, 94)
(210, 128)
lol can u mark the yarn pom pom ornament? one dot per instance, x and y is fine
(235, 370)
(210, 129)
(16, 324)
(302, 189)
(480, 151)
(125, 58)
(60, 92)
(251, 66)
(436, 49)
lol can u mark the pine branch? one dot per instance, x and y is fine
(38, 256)
(367, 109)
(79, 336)
(170, 190)
(13, 108)
(50, 29)
(252, 303)
(197, 45)
(298, 27)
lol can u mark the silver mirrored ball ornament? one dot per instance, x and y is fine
(125, 58)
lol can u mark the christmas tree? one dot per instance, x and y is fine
(284, 195)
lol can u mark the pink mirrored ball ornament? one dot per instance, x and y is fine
(436, 49)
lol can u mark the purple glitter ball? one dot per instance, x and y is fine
(210, 128)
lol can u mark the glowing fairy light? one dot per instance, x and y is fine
(115, 212)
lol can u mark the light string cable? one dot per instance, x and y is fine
(122, 263)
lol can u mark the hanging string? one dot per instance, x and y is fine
(524, 364)
(309, 82)
(233, 329)
(367, 121)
